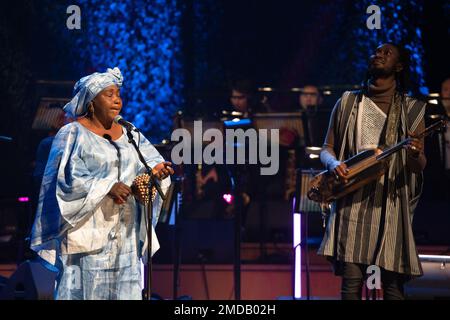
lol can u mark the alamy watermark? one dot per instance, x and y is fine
(74, 20)
(74, 274)
(238, 146)
(374, 20)
(374, 279)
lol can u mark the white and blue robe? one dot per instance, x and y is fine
(96, 244)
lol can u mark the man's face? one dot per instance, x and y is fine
(309, 97)
(239, 101)
(384, 61)
(445, 93)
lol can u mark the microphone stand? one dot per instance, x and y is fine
(146, 292)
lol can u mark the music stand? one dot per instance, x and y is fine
(237, 190)
(170, 214)
(49, 115)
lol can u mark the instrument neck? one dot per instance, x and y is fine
(386, 153)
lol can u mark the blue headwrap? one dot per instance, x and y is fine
(87, 89)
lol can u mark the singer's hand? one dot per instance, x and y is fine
(162, 170)
(120, 192)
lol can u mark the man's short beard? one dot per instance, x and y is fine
(380, 72)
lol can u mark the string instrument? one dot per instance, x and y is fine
(363, 168)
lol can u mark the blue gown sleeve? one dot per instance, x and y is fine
(69, 191)
(80, 188)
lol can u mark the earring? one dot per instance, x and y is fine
(91, 108)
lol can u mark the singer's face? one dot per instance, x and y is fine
(108, 103)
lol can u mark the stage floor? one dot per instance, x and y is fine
(259, 281)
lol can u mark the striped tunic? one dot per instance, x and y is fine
(373, 225)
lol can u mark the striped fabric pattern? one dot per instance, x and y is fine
(374, 224)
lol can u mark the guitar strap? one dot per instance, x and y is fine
(349, 107)
(392, 121)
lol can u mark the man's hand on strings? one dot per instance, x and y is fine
(414, 146)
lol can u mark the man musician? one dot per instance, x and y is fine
(372, 226)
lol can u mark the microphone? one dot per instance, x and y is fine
(124, 123)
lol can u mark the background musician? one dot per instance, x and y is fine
(244, 98)
(309, 98)
(437, 148)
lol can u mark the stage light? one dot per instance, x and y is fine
(297, 242)
(228, 198)
(434, 257)
(23, 199)
(236, 123)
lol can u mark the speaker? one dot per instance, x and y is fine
(32, 280)
(435, 282)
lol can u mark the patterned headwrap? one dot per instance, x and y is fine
(87, 89)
